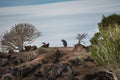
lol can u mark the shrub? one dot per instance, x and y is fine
(107, 51)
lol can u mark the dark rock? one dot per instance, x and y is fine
(4, 55)
(80, 45)
(33, 47)
(25, 70)
(53, 72)
(45, 45)
(2, 70)
(89, 59)
(3, 61)
(38, 75)
(27, 48)
(75, 61)
(8, 77)
(76, 73)
(98, 76)
(7, 69)
(56, 56)
(11, 51)
(42, 51)
(74, 79)
(67, 71)
(16, 60)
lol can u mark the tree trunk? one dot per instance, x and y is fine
(20, 48)
(116, 77)
(79, 41)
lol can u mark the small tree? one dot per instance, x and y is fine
(18, 36)
(103, 26)
(94, 40)
(80, 37)
(107, 51)
(113, 20)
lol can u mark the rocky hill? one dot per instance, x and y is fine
(55, 63)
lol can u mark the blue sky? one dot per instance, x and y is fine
(7, 3)
(57, 19)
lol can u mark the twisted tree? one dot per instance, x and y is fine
(18, 36)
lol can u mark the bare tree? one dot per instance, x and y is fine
(19, 35)
(80, 37)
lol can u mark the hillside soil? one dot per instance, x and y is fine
(55, 63)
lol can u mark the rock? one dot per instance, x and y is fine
(8, 77)
(38, 75)
(33, 47)
(2, 70)
(53, 72)
(16, 60)
(3, 61)
(89, 59)
(76, 46)
(7, 69)
(4, 55)
(56, 56)
(45, 45)
(26, 69)
(42, 51)
(98, 76)
(75, 61)
(11, 51)
(67, 71)
(75, 79)
(27, 48)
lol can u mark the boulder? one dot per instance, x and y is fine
(99, 76)
(55, 71)
(16, 60)
(2, 70)
(3, 61)
(27, 48)
(33, 47)
(89, 59)
(10, 51)
(75, 61)
(8, 77)
(4, 55)
(56, 56)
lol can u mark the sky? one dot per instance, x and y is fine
(57, 19)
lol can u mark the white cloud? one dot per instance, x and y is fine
(60, 20)
(63, 8)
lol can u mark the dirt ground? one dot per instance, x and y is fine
(55, 63)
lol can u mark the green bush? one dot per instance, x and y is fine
(107, 50)
(109, 20)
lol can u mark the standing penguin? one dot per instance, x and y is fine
(64, 42)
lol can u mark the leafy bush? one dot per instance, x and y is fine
(109, 20)
(107, 51)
